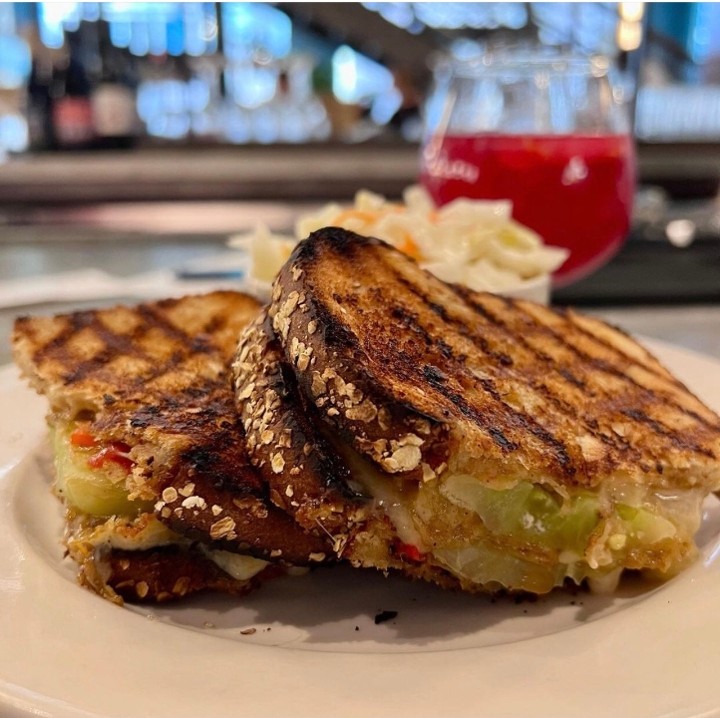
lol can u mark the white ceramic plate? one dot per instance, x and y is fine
(316, 651)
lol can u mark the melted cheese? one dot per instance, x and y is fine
(241, 568)
(383, 489)
(140, 534)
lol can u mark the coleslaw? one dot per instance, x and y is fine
(470, 242)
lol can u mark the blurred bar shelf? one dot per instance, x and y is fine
(293, 172)
(279, 172)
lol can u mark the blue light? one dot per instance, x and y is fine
(156, 33)
(344, 77)
(91, 11)
(51, 18)
(249, 27)
(13, 133)
(251, 86)
(357, 78)
(194, 19)
(139, 38)
(175, 37)
(120, 33)
(15, 62)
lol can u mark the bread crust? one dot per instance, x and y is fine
(305, 475)
(163, 574)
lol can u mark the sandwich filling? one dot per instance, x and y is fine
(526, 536)
(91, 479)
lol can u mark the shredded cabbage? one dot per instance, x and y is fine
(471, 242)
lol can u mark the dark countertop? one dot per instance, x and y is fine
(654, 273)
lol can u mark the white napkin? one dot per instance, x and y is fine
(89, 284)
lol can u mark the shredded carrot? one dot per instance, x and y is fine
(367, 216)
(394, 208)
(409, 247)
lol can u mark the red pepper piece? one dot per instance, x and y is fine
(82, 437)
(115, 452)
(409, 552)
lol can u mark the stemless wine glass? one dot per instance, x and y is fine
(547, 133)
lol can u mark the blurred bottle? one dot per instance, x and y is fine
(70, 93)
(112, 99)
(41, 131)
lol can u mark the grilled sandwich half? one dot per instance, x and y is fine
(508, 445)
(150, 461)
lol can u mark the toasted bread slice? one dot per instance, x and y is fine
(311, 475)
(529, 388)
(145, 427)
(506, 418)
(307, 478)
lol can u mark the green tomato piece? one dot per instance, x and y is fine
(91, 491)
(528, 511)
(643, 526)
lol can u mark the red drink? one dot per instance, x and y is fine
(575, 191)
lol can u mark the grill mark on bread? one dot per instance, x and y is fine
(74, 324)
(438, 381)
(613, 441)
(518, 419)
(500, 357)
(571, 378)
(596, 362)
(591, 426)
(466, 296)
(116, 344)
(659, 428)
(409, 320)
(528, 423)
(215, 324)
(609, 368)
(655, 425)
(568, 316)
(155, 320)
